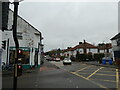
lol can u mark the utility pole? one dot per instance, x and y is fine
(7, 59)
(16, 43)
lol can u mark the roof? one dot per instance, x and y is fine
(105, 46)
(83, 45)
(26, 21)
(116, 36)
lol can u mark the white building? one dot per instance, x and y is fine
(81, 48)
(116, 48)
(30, 42)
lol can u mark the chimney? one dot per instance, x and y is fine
(80, 43)
(68, 47)
(84, 49)
(84, 41)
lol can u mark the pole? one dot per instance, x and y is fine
(7, 59)
(16, 43)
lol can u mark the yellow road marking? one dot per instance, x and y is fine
(89, 80)
(78, 75)
(100, 74)
(104, 80)
(94, 72)
(83, 69)
(117, 80)
(105, 74)
(107, 71)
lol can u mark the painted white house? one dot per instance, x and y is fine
(81, 48)
(30, 42)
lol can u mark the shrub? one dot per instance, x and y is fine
(98, 56)
(89, 56)
(82, 57)
(72, 58)
(78, 56)
(62, 57)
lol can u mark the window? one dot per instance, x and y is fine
(19, 35)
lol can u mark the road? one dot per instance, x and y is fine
(78, 75)
(104, 77)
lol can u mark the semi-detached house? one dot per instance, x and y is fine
(83, 47)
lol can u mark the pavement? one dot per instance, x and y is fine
(11, 72)
(103, 65)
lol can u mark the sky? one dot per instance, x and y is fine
(65, 24)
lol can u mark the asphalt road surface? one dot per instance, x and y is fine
(56, 75)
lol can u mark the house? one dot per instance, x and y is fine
(103, 48)
(67, 52)
(116, 48)
(30, 42)
(83, 47)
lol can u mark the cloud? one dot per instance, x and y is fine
(70, 22)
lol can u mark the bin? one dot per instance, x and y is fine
(110, 61)
(103, 61)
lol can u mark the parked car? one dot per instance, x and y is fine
(57, 59)
(67, 61)
(53, 59)
(48, 58)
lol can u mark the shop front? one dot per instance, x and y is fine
(29, 57)
(25, 58)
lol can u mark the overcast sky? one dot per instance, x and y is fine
(64, 24)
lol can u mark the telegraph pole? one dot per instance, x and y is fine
(16, 43)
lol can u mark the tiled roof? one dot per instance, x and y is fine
(106, 46)
(65, 50)
(88, 45)
(83, 45)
